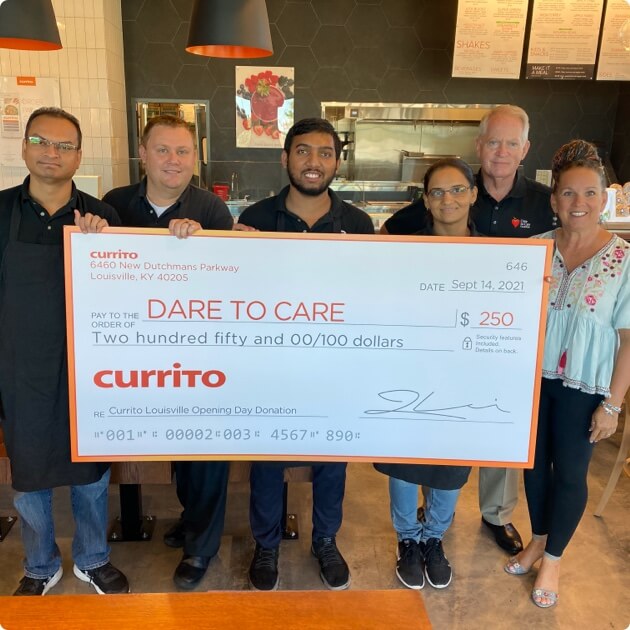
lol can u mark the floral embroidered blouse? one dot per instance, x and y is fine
(586, 309)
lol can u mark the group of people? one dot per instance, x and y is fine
(586, 365)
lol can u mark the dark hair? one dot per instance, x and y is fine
(457, 163)
(573, 154)
(54, 112)
(462, 167)
(311, 125)
(165, 120)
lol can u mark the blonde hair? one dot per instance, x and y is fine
(508, 110)
(165, 120)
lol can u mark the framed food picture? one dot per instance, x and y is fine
(264, 106)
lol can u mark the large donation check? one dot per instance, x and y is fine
(232, 345)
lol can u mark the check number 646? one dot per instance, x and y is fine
(516, 266)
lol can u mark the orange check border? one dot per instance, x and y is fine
(535, 242)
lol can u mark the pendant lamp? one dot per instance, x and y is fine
(28, 25)
(237, 29)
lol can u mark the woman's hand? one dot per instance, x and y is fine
(603, 425)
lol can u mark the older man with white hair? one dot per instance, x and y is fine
(508, 205)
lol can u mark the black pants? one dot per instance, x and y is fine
(556, 488)
(265, 501)
(202, 491)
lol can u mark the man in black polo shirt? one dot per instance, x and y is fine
(510, 205)
(311, 158)
(33, 358)
(165, 198)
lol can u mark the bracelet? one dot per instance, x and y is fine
(609, 408)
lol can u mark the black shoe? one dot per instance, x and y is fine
(409, 568)
(263, 571)
(506, 536)
(37, 586)
(106, 580)
(334, 570)
(436, 565)
(190, 571)
(174, 537)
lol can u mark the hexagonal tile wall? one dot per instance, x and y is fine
(364, 50)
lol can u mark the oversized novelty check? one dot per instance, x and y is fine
(235, 345)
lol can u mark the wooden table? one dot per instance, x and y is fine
(243, 610)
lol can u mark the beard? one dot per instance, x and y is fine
(313, 190)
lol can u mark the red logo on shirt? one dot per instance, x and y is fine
(516, 222)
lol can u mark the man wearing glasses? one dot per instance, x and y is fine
(508, 205)
(33, 363)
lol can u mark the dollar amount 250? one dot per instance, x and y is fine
(493, 319)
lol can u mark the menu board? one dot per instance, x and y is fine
(489, 38)
(563, 39)
(19, 97)
(614, 56)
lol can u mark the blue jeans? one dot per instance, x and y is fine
(438, 511)
(89, 545)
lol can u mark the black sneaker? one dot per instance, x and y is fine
(436, 565)
(409, 568)
(334, 570)
(263, 571)
(35, 586)
(106, 580)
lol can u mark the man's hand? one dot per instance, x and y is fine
(241, 227)
(183, 228)
(89, 222)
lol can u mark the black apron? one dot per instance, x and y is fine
(34, 367)
(430, 475)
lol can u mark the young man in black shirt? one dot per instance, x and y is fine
(307, 204)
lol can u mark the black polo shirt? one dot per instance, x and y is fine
(36, 225)
(525, 211)
(194, 203)
(271, 215)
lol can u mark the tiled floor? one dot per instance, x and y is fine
(595, 586)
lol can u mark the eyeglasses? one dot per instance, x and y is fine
(62, 147)
(455, 191)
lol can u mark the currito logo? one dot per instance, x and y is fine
(116, 254)
(175, 377)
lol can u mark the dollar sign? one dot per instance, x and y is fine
(464, 319)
